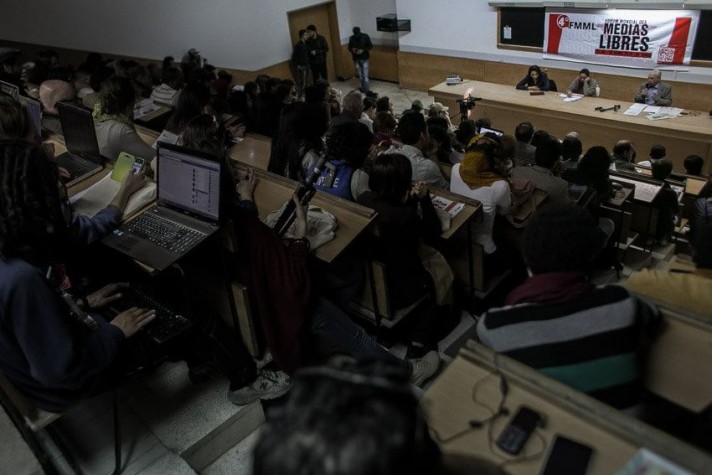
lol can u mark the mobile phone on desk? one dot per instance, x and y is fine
(515, 435)
(567, 457)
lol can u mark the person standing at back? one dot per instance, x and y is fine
(317, 48)
(360, 45)
(300, 63)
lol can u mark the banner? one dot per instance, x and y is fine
(651, 39)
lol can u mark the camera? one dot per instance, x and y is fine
(467, 103)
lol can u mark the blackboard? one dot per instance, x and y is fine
(528, 30)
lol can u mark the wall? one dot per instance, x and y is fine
(245, 35)
(363, 15)
(468, 29)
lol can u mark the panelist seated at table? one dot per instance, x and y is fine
(113, 121)
(535, 80)
(654, 92)
(587, 336)
(584, 84)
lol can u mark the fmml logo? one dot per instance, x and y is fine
(563, 21)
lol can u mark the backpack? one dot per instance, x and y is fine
(335, 179)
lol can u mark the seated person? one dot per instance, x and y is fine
(482, 176)
(592, 171)
(169, 89)
(403, 230)
(364, 398)
(546, 158)
(369, 112)
(193, 100)
(524, 154)
(702, 213)
(436, 109)
(584, 335)
(623, 156)
(693, 165)
(441, 141)
(113, 121)
(654, 91)
(571, 151)
(416, 142)
(384, 104)
(665, 202)
(51, 92)
(535, 80)
(464, 133)
(657, 152)
(584, 84)
(689, 291)
(384, 126)
(351, 109)
(347, 147)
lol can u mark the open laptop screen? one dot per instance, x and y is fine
(79, 133)
(189, 182)
(34, 112)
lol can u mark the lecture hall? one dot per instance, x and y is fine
(341, 237)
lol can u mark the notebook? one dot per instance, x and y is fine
(82, 158)
(187, 209)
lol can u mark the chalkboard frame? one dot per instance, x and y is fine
(702, 55)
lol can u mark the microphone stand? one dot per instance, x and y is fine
(612, 108)
(305, 190)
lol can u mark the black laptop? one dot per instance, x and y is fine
(34, 113)
(82, 158)
(187, 209)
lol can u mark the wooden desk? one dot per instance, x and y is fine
(273, 191)
(507, 107)
(693, 186)
(254, 151)
(449, 405)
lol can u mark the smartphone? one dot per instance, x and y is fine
(137, 165)
(567, 456)
(517, 432)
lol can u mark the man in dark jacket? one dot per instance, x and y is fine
(317, 48)
(360, 45)
(300, 63)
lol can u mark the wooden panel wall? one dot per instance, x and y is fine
(422, 71)
(383, 64)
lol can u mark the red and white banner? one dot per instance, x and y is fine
(660, 39)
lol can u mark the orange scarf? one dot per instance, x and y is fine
(475, 171)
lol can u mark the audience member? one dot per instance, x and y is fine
(351, 109)
(416, 106)
(546, 158)
(441, 141)
(384, 104)
(482, 176)
(436, 109)
(113, 122)
(584, 84)
(681, 290)
(14, 121)
(657, 152)
(665, 202)
(535, 80)
(702, 211)
(53, 91)
(464, 133)
(368, 113)
(193, 100)
(654, 91)
(571, 151)
(592, 171)
(693, 165)
(540, 136)
(414, 134)
(384, 126)
(364, 398)
(298, 139)
(317, 48)
(589, 337)
(623, 156)
(347, 146)
(524, 154)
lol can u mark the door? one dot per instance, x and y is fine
(319, 17)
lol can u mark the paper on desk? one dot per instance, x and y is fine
(168, 137)
(643, 191)
(646, 462)
(99, 195)
(143, 108)
(571, 98)
(634, 109)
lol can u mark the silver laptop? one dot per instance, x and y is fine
(187, 209)
(82, 158)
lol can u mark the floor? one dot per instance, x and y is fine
(171, 426)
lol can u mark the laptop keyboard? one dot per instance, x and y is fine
(164, 232)
(75, 167)
(167, 323)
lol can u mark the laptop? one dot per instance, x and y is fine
(187, 209)
(34, 112)
(486, 130)
(82, 158)
(10, 89)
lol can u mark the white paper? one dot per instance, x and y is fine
(645, 462)
(168, 137)
(143, 108)
(634, 109)
(652, 109)
(507, 33)
(449, 206)
(573, 98)
(99, 195)
(643, 191)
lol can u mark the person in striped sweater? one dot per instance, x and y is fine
(590, 337)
